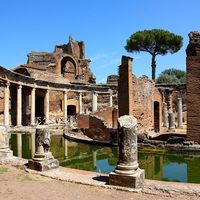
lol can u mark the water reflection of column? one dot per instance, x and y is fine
(94, 155)
(32, 144)
(19, 145)
(65, 147)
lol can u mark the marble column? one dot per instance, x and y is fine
(170, 103)
(33, 106)
(80, 104)
(94, 101)
(127, 172)
(46, 106)
(19, 105)
(165, 115)
(180, 113)
(111, 99)
(6, 104)
(65, 106)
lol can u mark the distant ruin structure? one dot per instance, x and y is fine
(193, 89)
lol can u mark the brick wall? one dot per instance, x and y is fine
(193, 87)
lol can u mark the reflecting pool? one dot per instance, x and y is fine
(158, 165)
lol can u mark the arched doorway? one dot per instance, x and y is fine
(71, 110)
(68, 68)
(156, 116)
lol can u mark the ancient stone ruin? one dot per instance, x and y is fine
(127, 172)
(43, 159)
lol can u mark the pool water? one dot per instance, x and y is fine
(158, 164)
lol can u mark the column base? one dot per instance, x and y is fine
(171, 130)
(5, 153)
(43, 164)
(134, 180)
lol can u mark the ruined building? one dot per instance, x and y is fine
(54, 86)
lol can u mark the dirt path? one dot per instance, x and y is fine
(16, 184)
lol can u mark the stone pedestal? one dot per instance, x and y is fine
(5, 151)
(171, 122)
(127, 172)
(43, 159)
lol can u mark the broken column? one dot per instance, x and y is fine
(125, 87)
(5, 151)
(43, 159)
(180, 113)
(127, 172)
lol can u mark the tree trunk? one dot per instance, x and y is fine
(153, 67)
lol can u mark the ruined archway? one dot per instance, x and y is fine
(156, 116)
(68, 68)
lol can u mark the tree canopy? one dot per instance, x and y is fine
(172, 76)
(156, 42)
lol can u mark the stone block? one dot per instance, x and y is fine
(134, 180)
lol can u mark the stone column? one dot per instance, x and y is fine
(94, 101)
(171, 122)
(111, 99)
(33, 106)
(6, 104)
(19, 105)
(80, 104)
(170, 103)
(180, 113)
(65, 106)
(127, 172)
(43, 159)
(5, 152)
(165, 115)
(46, 106)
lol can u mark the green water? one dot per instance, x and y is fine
(158, 165)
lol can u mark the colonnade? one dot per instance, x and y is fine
(46, 104)
(168, 115)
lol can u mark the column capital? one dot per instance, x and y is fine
(19, 86)
(7, 84)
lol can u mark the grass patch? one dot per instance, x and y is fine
(3, 170)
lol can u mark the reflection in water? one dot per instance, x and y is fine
(158, 165)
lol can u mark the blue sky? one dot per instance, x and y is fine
(104, 26)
